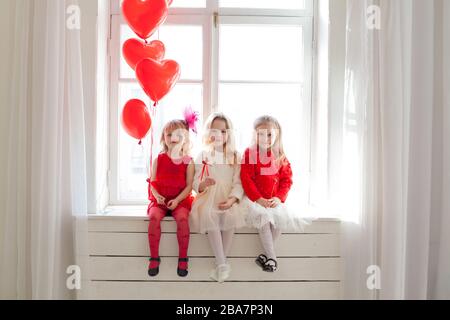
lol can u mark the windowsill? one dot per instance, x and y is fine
(140, 212)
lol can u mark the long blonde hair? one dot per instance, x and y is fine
(277, 148)
(230, 145)
(174, 126)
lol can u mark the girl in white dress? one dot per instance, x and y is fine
(217, 210)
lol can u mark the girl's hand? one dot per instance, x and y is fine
(275, 202)
(205, 184)
(264, 203)
(173, 204)
(228, 204)
(160, 199)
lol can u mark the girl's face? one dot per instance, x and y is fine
(218, 135)
(174, 138)
(266, 136)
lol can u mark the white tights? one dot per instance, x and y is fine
(268, 235)
(220, 242)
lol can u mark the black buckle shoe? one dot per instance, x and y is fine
(153, 272)
(182, 272)
(268, 267)
(261, 260)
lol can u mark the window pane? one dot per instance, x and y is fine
(184, 44)
(188, 4)
(261, 53)
(284, 102)
(134, 159)
(264, 4)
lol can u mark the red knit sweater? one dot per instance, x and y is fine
(263, 178)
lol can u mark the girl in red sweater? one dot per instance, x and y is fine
(266, 176)
(171, 192)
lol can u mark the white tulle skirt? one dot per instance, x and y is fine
(281, 217)
(206, 216)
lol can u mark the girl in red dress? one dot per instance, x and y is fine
(170, 191)
(266, 177)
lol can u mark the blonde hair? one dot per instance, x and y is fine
(277, 148)
(230, 145)
(174, 126)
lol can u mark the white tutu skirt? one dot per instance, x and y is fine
(281, 217)
(206, 216)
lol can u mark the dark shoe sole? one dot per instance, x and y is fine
(182, 273)
(153, 272)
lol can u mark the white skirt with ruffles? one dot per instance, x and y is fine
(281, 217)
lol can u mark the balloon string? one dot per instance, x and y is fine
(152, 132)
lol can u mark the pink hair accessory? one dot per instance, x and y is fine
(191, 117)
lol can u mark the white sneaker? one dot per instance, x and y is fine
(223, 272)
(213, 274)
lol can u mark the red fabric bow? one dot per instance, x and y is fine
(205, 170)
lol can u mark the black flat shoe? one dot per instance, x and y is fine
(153, 272)
(261, 260)
(182, 272)
(270, 267)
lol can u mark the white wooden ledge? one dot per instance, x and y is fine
(309, 263)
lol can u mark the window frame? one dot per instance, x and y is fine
(210, 18)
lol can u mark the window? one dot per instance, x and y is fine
(244, 57)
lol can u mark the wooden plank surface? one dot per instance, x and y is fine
(215, 291)
(290, 245)
(243, 269)
(169, 226)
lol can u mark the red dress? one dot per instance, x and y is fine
(262, 178)
(170, 181)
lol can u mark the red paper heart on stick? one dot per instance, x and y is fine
(144, 16)
(134, 51)
(136, 120)
(157, 78)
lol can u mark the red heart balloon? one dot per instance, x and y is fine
(144, 16)
(136, 119)
(157, 78)
(134, 51)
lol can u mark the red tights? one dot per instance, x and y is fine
(181, 216)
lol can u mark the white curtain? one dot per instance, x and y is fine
(395, 151)
(44, 166)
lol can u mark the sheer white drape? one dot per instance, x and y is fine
(44, 163)
(395, 151)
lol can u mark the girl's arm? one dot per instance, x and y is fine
(187, 191)
(285, 181)
(198, 172)
(248, 178)
(237, 191)
(153, 178)
(200, 185)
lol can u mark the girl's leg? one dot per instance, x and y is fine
(181, 216)
(276, 233)
(265, 234)
(217, 246)
(227, 240)
(154, 233)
